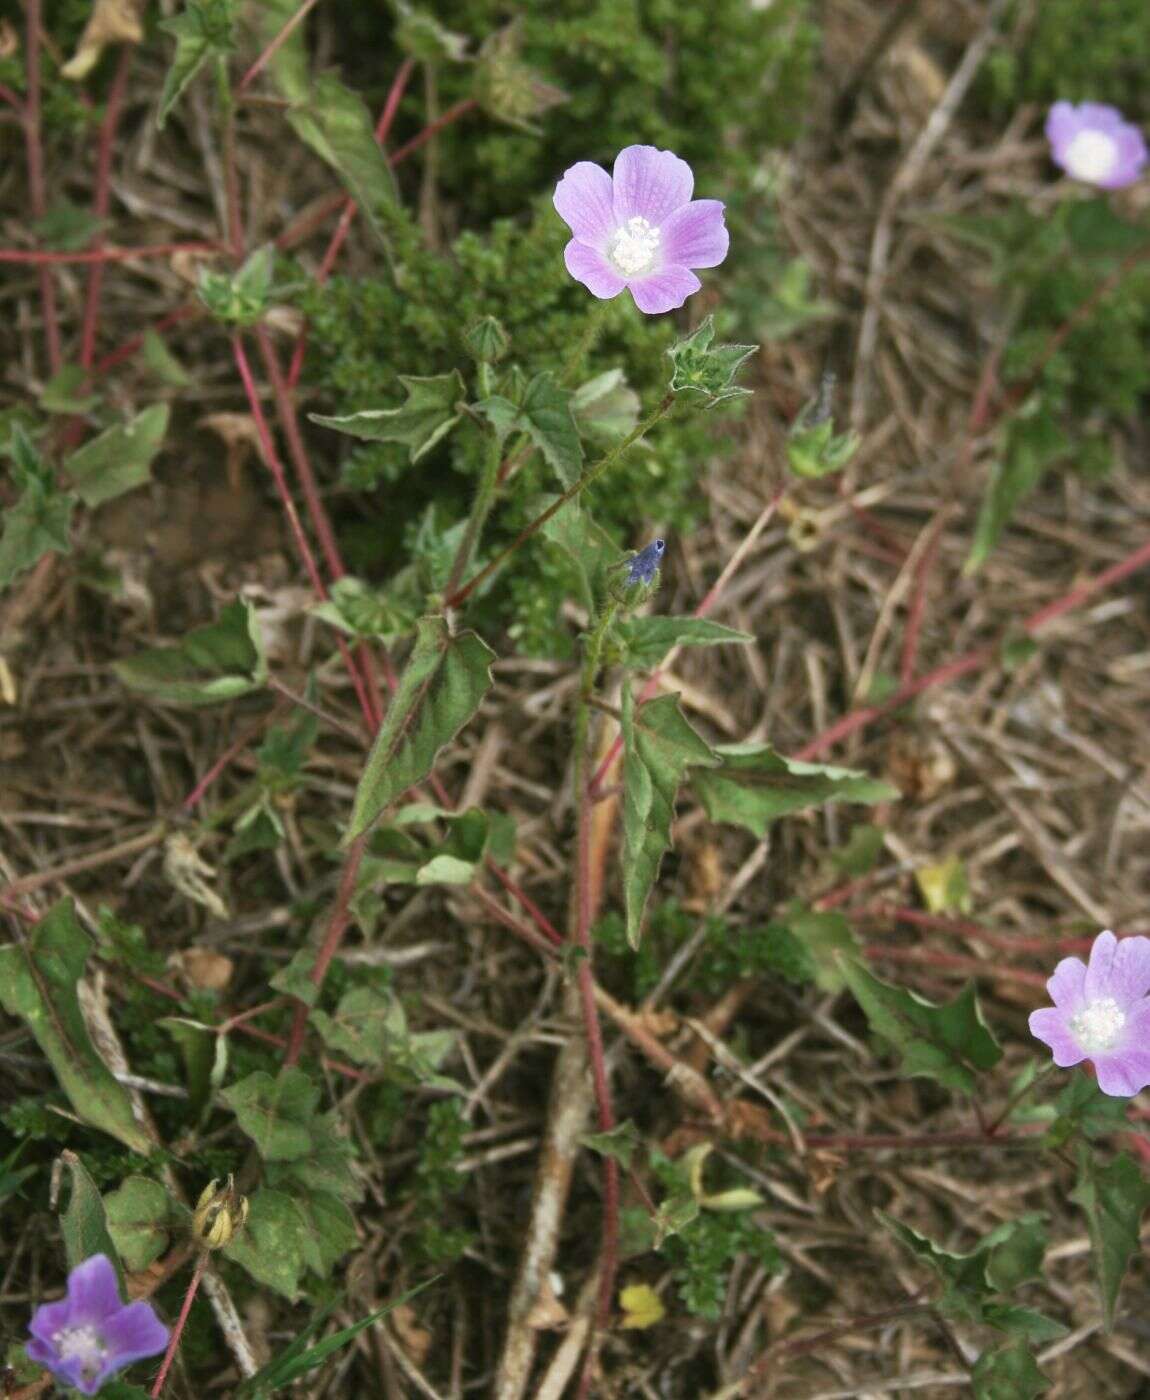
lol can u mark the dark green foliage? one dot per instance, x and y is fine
(705, 1248)
(436, 1180)
(1098, 52)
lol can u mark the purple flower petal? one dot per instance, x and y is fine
(47, 1321)
(1062, 122)
(584, 201)
(135, 1332)
(93, 1290)
(1129, 974)
(695, 235)
(1093, 144)
(1049, 1026)
(1066, 984)
(1123, 1075)
(650, 183)
(663, 291)
(590, 267)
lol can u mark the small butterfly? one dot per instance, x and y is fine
(645, 565)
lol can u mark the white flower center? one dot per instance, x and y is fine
(84, 1343)
(1098, 1025)
(1090, 156)
(634, 247)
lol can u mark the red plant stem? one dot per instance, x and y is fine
(276, 468)
(276, 44)
(132, 345)
(336, 928)
(931, 957)
(967, 928)
(193, 798)
(100, 204)
(36, 190)
(541, 921)
(974, 660)
(710, 598)
(917, 612)
(104, 255)
(306, 227)
(382, 127)
(178, 1329)
(609, 1245)
(452, 114)
(7, 95)
(321, 524)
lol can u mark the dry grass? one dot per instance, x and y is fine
(1036, 778)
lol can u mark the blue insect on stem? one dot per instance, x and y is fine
(645, 565)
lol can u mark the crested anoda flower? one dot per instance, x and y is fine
(91, 1334)
(1092, 143)
(639, 228)
(1101, 1012)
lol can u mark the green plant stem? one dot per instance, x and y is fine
(1016, 1098)
(484, 497)
(178, 1329)
(589, 477)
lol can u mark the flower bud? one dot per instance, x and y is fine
(220, 1213)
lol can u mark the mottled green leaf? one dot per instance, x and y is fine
(327, 1230)
(163, 364)
(428, 415)
(620, 1143)
(1009, 1255)
(755, 785)
(605, 409)
(824, 937)
(658, 748)
(708, 370)
(544, 414)
(84, 1224)
(1023, 1322)
(336, 124)
(1030, 443)
(366, 1021)
(399, 857)
(949, 1043)
(211, 664)
(271, 1245)
(645, 641)
(120, 458)
(288, 65)
(39, 523)
(205, 1055)
(203, 31)
(1113, 1197)
(278, 1114)
(443, 683)
(139, 1217)
(328, 1167)
(1008, 1373)
(38, 980)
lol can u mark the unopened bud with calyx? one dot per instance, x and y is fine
(221, 1212)
(813, 447)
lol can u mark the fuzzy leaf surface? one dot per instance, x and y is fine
(428, 415)
(38, 983)
(1113, 1197)
(754, 786)
(442, 686)
(658, 748)
(120, 458)
(949, 1043)
(211, 664)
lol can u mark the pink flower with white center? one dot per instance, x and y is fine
(1092, 143)
(639, 228)
(1101, 1012)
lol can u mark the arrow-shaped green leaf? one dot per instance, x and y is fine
(430, 413)
(442, 686)
(658, 748)
(38, 983)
